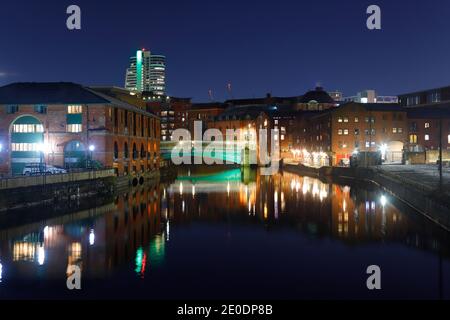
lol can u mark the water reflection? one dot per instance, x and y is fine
(135, 233)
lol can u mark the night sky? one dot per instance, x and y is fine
(282, 47)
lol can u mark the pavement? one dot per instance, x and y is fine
(424, 175)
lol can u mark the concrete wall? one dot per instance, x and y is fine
(416, 157)
(25, 182)
(432, 156)
(427, 157)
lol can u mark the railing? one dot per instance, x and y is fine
(30, 181)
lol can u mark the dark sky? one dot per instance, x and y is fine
(284, 47)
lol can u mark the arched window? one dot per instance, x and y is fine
(116, 151)
(142, 151)
(27, 143)
(135, 152)
(125, 151)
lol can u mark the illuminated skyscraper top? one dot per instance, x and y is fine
(146, 72)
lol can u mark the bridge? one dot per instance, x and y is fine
(218, 152)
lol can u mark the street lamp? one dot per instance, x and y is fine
(383, 201)
(42, 148)
(383, 149)
(91, 151)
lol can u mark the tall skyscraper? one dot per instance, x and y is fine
(147, 73)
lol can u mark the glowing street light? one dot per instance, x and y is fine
(383, 149)
(91, 237)
(383, 201)
(43, 147)
(91, 148)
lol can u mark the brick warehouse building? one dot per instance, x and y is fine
(336, 133)
(64, 124)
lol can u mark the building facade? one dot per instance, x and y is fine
(370, 96)
(426, 125)
(425, 97)
(204, 112)
(173, 113)
(146, 72)
(71, 126)
(332, 136)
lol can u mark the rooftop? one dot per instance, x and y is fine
(64, 93)
(318, 94)
(48, 93)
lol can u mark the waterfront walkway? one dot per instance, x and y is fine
(423, 176)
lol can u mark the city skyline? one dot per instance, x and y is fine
(205, 53)
(213, 158)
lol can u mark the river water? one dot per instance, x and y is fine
(216, 233)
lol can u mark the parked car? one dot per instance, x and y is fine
(36, 169)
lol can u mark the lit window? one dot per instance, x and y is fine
(413, 138)
(74, 128)
(28, 128)
(346, 132)
(282, 137)
(399, 130)
(427, 137)
(345, 119)
(448, 138)
(340, 132)
(394, 130)
(356, 119)
(340, 119)
(427, 125)
(24, 147)
(74, 109)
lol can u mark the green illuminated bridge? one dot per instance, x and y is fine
(223, 152)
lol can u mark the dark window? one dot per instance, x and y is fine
(125, 151)
(135, 153)
(116, 150)
(116, 117)
(12, 109)
(40, 109)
